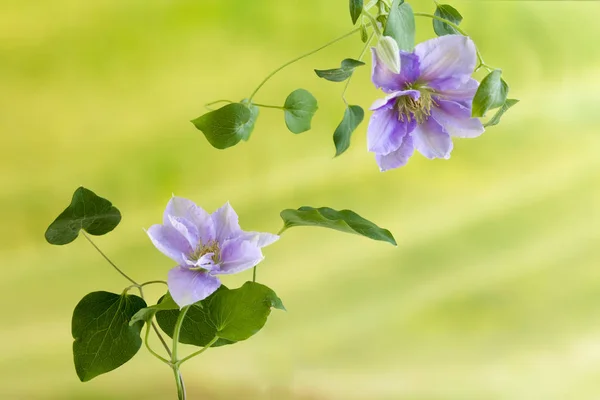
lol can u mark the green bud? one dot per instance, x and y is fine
(388, 52)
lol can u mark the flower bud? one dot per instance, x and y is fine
(388, 52)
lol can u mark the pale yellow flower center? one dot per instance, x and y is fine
(419, 110)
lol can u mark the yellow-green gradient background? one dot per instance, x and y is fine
(492, 293)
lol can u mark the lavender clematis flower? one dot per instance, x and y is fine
(204, 245)
(428, 102)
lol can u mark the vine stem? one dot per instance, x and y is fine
(139, 287)
(459, 30)
(181, 395)
(199, 351)
(362, 53)
(352, 32)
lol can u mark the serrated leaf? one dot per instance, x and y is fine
(495, 120)
(226, 126)
(87, 211)
(299, 108)
(146, 314)
(449, 13)
(104, 340)
(344, 221)
(401, 25)
(233, 315)
(491, 94)
(356, 8)
(353, 116)
(340, 74)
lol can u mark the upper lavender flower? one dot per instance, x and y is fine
(204, 245)
(429, 101)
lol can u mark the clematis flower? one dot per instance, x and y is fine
(428, 102)
(204, 245)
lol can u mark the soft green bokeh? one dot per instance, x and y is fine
(492, 293)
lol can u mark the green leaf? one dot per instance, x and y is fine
(449, 13)
(104, 340)
(356, 8)
(353, 116)
(299, 108)
(87, 211)
(343, 221)
(491, 94)
(146, 314)
(249, 126)
(401, 25)
(495, 120)
(364, 35)
(342, 73)
(233, 315)
(228, 125)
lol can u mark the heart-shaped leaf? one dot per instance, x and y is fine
(343, 221)
(299, 108)
(449, 13)
(356, 8)
(226, 126)
(491, 94)
(401, 25)
(87, 211)
(231, 314)
(104, 340)
(495, 120)
(340, 74)
(353, 116)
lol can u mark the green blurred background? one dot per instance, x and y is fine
(492, 293)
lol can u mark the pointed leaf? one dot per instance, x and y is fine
(104, 340)
(401, 25)
(353, 116)
(340, 74)
(449, 13)
(87, 211)
(228, 125)
(343, 221)
(299, 108)
(146, 314)
(356, 8)
(491, 94)
(495, 120)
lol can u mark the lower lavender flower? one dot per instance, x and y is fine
(204, 246)
(428, 102)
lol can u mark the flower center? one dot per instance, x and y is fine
(202, 249)
(419, 110)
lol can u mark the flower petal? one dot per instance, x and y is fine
(389, 100)
(186, 228)
(237, 255)
(226, 223)
(261, 239)
(385, 132)
(447, 56)
(170, 242)
(188, 287)
(179, 207)
(456, 119)
(387, 80)
(432, 140)
(455, 89)
(397, 158)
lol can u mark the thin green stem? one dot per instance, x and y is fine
(254, 274)
(352, 32)
(373, 23)
(150, 349)
(480, 61)
(362, 53)
(207, 105)
(282, 230)
(174, 361)
(108, 259)
(153, 282)
(199, 351)
(268, 106)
